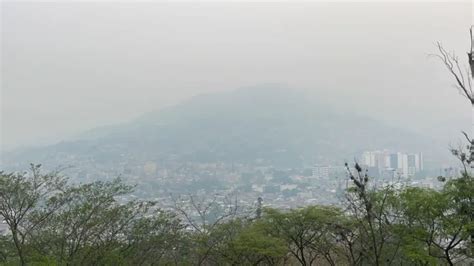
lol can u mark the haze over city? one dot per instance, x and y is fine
(237, 133)
(71, 67)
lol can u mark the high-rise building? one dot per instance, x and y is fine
(399, 163)
(321, 171)
(393, 158)
(377, 159)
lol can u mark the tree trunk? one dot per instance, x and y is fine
(471, 138)
(18, 246)
(472, 121)
(471, 250)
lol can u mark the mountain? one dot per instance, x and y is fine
(279, 126)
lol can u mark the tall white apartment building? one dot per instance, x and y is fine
(403, 164)
(320, 171)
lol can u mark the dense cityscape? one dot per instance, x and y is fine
(278, 187)
(218, 133)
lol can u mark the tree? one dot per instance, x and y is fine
(463, 80)
(309, 232)
(155, 239)
(203, 216)
(431, 228)
(460, 196)
(21, 197)
(91, 225)
(373, 219)
(253, 246)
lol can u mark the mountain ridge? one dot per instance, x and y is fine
(280, 126)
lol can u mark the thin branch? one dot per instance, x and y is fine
(452, 64)
(467, 136)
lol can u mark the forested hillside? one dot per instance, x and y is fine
(279, 126)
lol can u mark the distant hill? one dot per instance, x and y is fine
(279, 126)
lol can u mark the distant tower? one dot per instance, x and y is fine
(259, 208)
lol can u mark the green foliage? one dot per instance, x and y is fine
(435, 224)
(154, 239)
(20, 195)
(55, 223)
(255, 245)
(309, 233)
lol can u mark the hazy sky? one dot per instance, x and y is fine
(70, 67)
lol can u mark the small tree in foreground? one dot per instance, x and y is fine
(21, 196)
(464, 194)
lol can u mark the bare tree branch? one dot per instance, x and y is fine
(451, 61)
(469, 54)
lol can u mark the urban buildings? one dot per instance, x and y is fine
(390, 164)
(320, 171)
